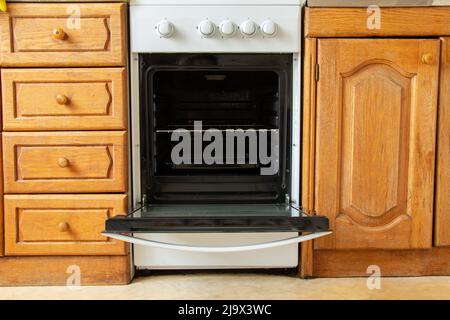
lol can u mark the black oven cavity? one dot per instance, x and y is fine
(215, 128)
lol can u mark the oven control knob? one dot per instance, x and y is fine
(248, 28)
(206, 28)
(165, 28)
(227, 28)
(269, 28)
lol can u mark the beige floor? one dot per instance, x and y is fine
(243, 286)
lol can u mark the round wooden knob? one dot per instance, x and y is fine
(63, 162)
(63, 227)
(59, 34)
(428, 58)
(62, 99)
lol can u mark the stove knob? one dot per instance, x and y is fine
(206, 28)
(227, 28)
(165, 28)
(269, 28)
(248, 28)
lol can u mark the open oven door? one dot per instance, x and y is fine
(216, 218)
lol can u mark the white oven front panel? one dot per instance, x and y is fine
(187, 38)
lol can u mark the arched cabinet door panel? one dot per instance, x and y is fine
(375, 144)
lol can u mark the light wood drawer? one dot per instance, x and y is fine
(65, 162)
(63, 34)
(64, 99)
(61, 224)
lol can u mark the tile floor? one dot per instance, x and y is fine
(243, 286)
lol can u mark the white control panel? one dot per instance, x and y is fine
(215, 28)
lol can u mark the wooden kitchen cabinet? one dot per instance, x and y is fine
(375, 151)
(63, 104)
(442, 221)
(376, 141)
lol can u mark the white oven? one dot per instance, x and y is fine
(212, 68)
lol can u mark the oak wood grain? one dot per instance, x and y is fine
(376, 128)
(353, 22)
(56, 270)
(61, 224)
(308, 147)
(96, 162)
(355, 263)
(89, 35)
(64, 99)
(442, 221)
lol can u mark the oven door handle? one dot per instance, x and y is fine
(248, 247)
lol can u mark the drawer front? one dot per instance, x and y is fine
(61, 224)
(65, 162)
(63, 35)
(64, 99)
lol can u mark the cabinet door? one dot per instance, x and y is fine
(375, 144)
(442, 233)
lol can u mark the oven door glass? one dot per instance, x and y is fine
(216, 218)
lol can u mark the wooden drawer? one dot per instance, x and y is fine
(64, 99)
(63, 35)
(61, 224)
(65, 162)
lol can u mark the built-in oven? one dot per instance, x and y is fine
(215, 145)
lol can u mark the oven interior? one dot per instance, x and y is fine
(197, 93)
(224, 92)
